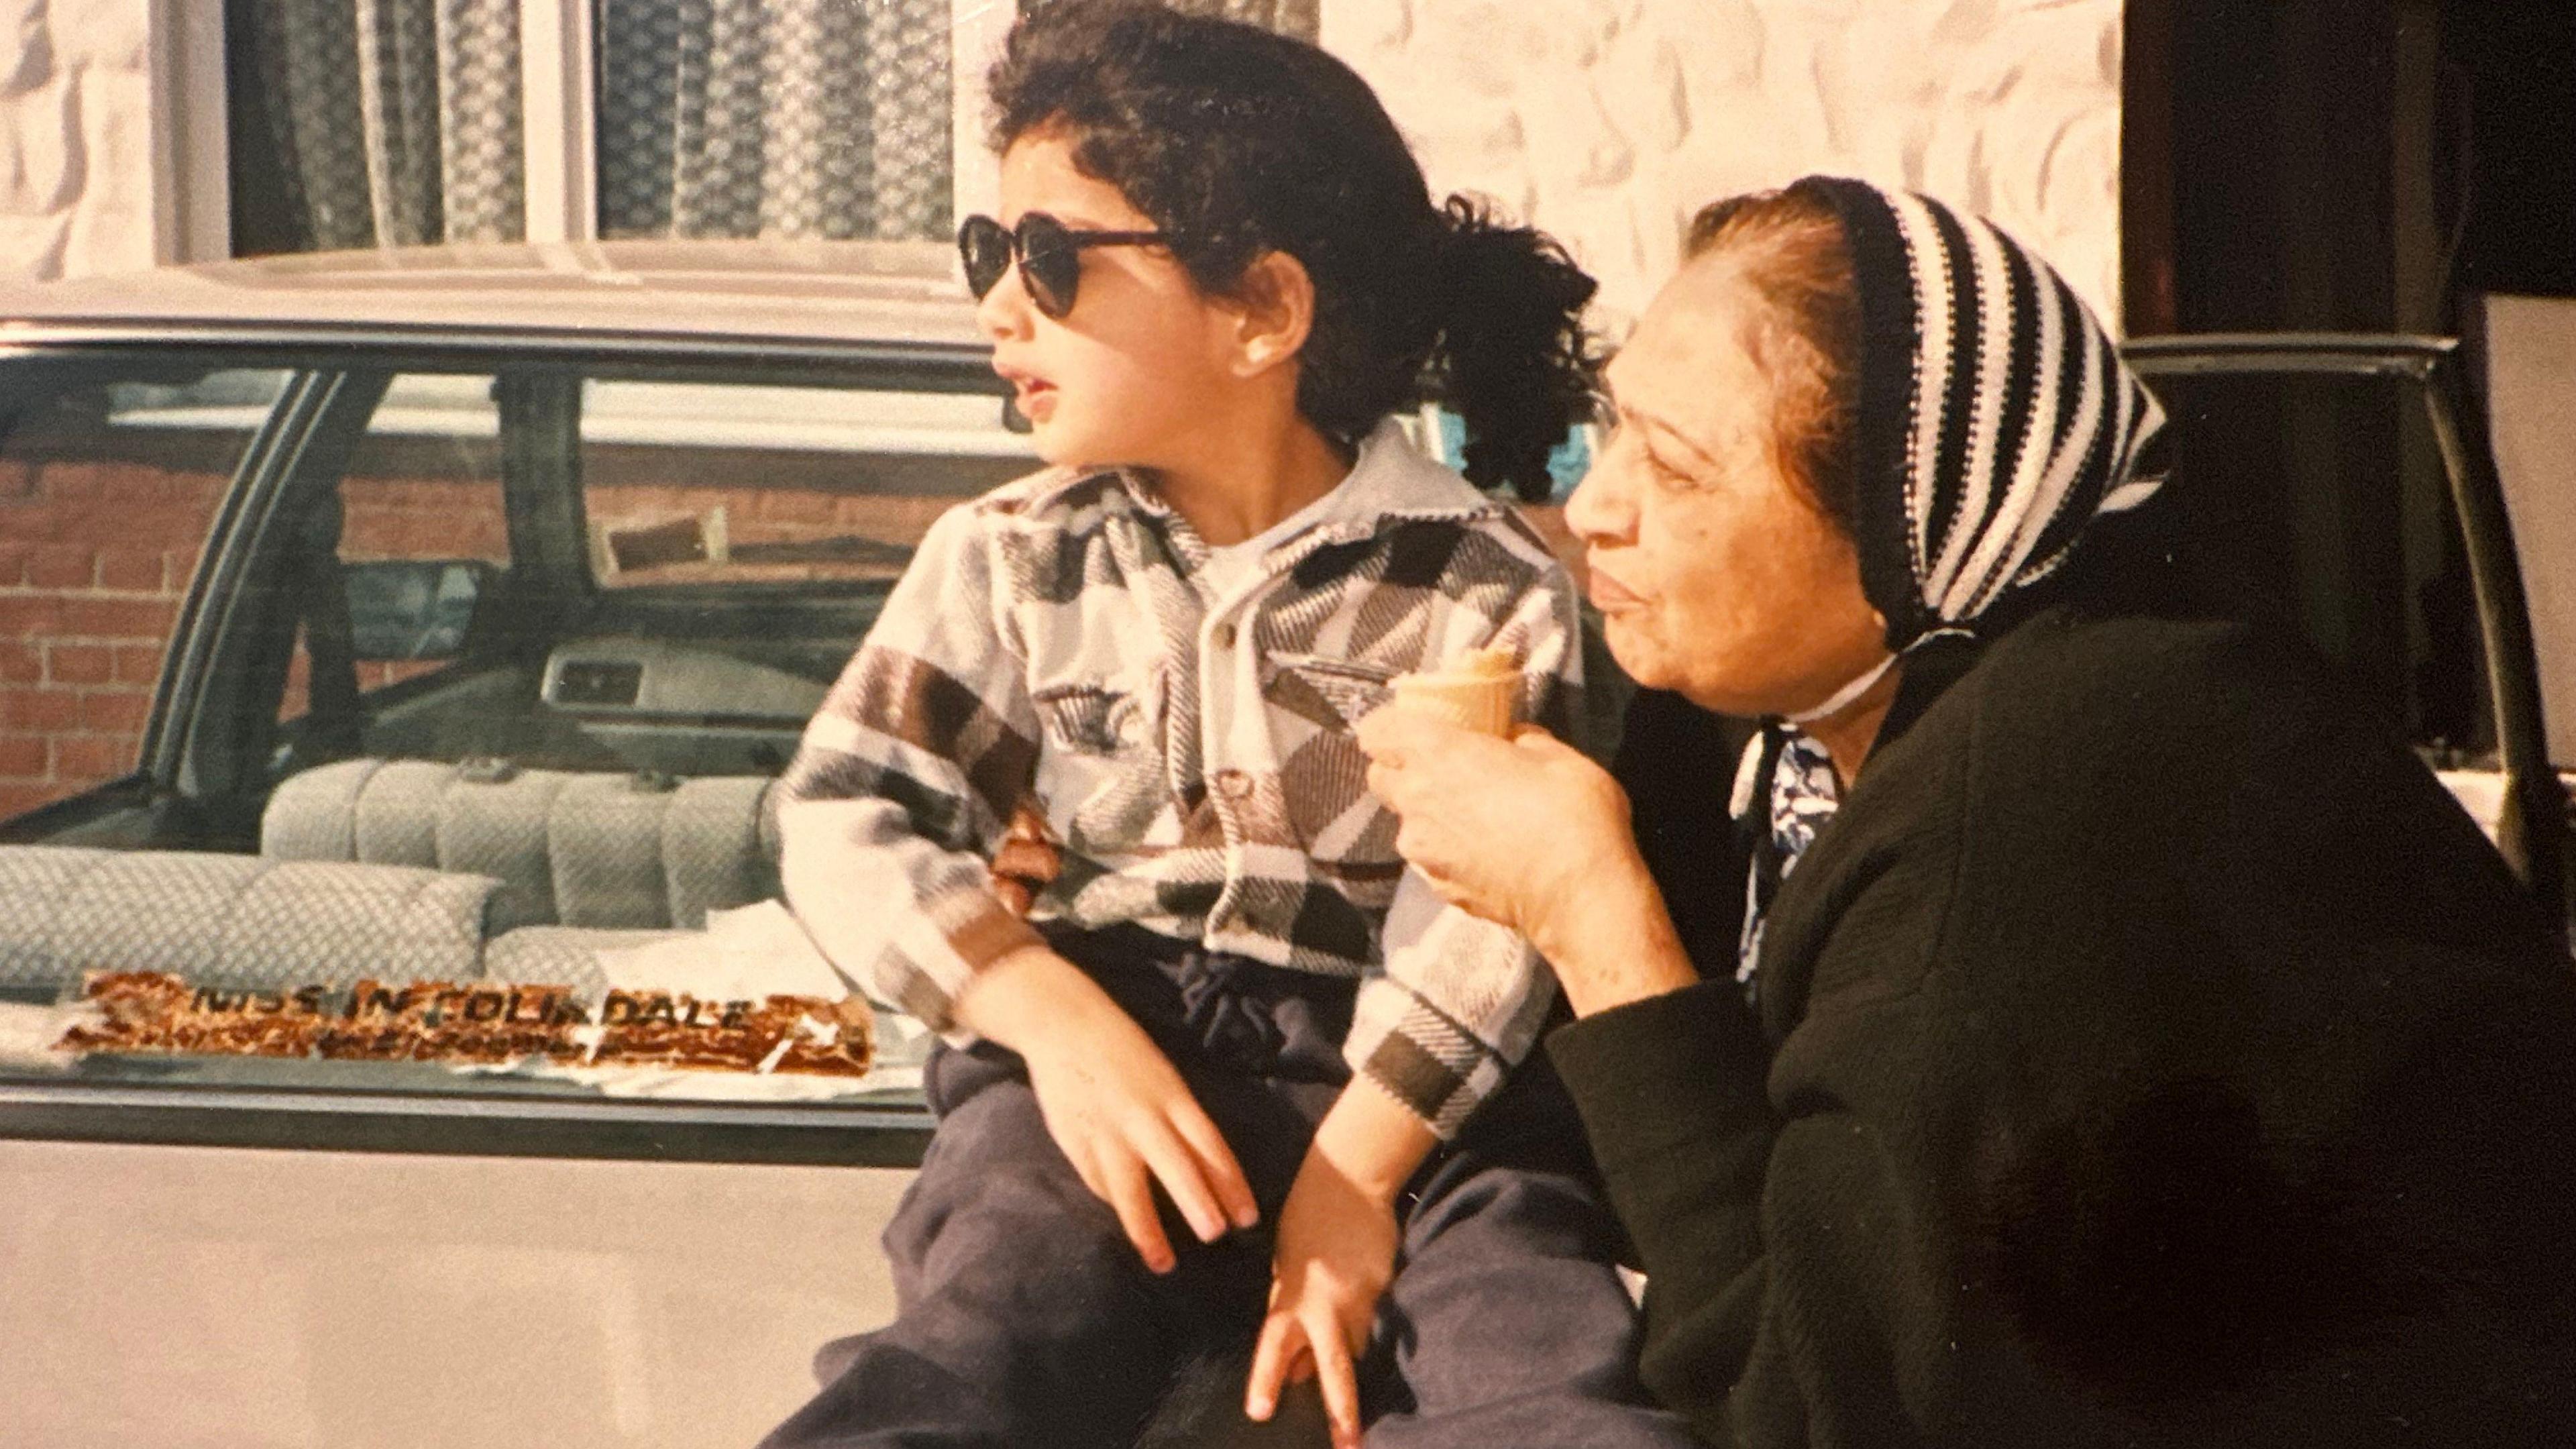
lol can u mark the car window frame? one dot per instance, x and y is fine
(2532, 832)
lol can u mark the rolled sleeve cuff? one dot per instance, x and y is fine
(1435, 1067)
(941, 949)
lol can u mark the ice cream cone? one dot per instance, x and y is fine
(1478, 692)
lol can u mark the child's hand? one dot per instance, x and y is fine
(1336, 1253)
(1122, 1114)
(1337, 1241)
(1027, 859)
(1112, 1101)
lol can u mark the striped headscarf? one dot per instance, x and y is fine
(1994, 423)
(1995, 420)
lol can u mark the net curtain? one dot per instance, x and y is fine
(393, 121)
(790, 118)
(399, 121)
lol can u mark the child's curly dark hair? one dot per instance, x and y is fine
(1239, 142)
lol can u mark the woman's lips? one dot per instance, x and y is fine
(1606, 593)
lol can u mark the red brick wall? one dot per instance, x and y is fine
(93, 560)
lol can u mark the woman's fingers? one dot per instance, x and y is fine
(1382, 731)
(1224, 1174)
(1539, 742)
(1387, 782)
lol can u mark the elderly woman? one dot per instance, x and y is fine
(2072, 1026)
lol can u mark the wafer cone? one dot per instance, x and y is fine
(1477, 692)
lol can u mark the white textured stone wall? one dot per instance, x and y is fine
(1609, 122)
(76, 171)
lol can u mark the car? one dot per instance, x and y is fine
(445, 614)
(331, 586)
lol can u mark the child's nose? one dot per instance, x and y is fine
(1005, 311)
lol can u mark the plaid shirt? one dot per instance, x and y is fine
(1192, 753)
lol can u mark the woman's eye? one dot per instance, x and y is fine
(1665, 473)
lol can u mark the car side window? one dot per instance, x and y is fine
(110, 480)
(457, 816)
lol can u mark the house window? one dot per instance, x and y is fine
(356, 123)
(361, 123)
(1299, 18)
(788, 118)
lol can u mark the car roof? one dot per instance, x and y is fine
(792, 291)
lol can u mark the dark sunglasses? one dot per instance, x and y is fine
(1048, 251)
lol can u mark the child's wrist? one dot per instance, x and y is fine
(1372, 1141)
(1029, 1000)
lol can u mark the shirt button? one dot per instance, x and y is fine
(1223, 638)
(1233, 784)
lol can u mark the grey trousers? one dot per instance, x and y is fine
(1025, 1318)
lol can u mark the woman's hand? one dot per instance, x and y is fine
(1506, 829)
(1111, 1100)
(1336, 1253)
(1528, 833)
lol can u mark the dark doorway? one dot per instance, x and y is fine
(2345, 164)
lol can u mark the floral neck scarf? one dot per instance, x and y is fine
(1804, 794)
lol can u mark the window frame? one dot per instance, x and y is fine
(559, 117)
(191, 133)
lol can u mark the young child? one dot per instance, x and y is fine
(1217, 274)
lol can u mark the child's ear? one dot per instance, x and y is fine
(1274, 306)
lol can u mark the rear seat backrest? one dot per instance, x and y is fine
(234, 921)
(619, 851)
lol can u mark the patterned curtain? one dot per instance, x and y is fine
(1299, 18)
(395, 121)
(785, 118)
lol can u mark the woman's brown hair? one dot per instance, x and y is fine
(1805, 336)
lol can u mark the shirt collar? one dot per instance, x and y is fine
(1390, 480)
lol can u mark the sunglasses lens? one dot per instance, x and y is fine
(1050, 263)
(985, 248)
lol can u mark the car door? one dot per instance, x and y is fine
(2528, 351)
(2339, 486)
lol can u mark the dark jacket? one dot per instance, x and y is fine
(2150, 1053)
